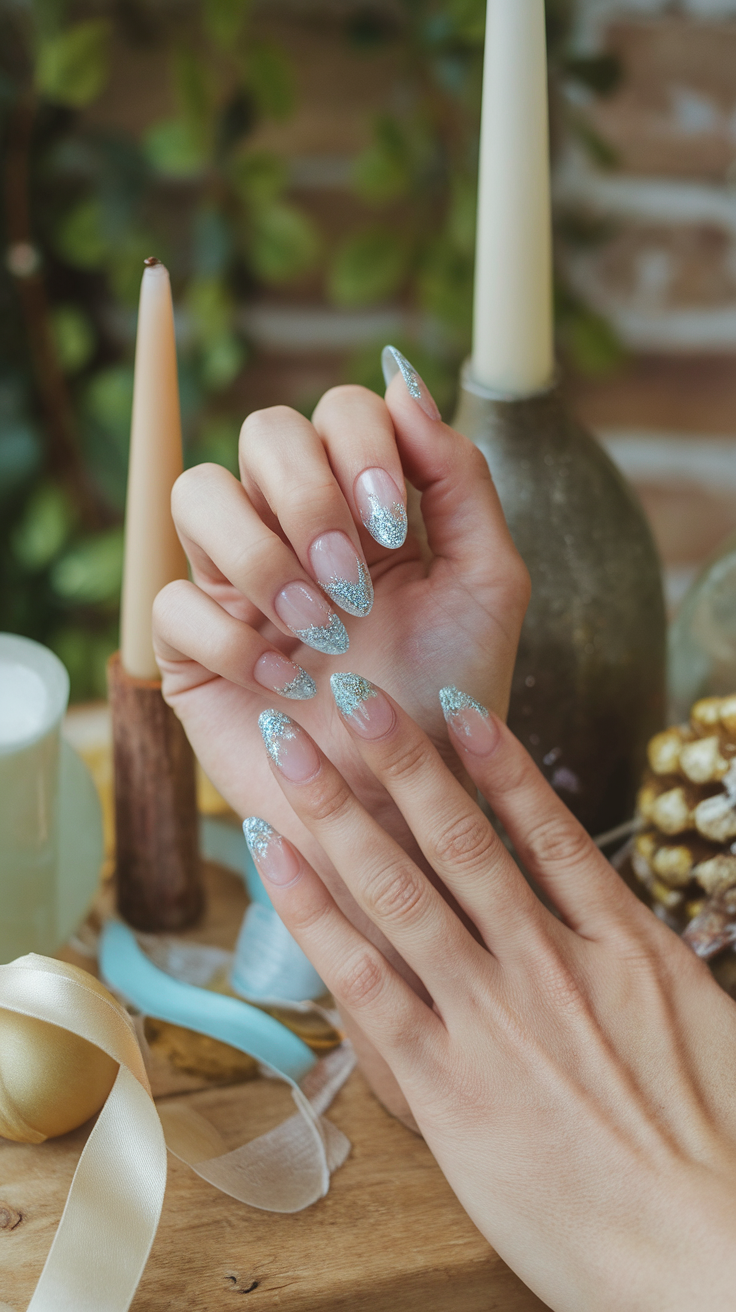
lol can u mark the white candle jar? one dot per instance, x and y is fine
(34, 690)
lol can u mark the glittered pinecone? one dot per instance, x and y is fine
(685, 851)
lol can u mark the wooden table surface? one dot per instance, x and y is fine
(389, 1237)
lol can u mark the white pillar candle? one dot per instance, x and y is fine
(512, 328)
(34, 688)
(153, 553)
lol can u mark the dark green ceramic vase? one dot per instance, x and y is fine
(589, 682)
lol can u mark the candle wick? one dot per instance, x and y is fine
(151, 261)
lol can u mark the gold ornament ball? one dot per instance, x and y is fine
(51, 1080)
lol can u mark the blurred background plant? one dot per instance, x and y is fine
(84, 205)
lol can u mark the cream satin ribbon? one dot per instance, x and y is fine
(110, 1218)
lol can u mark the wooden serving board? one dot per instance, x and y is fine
(389, 1237)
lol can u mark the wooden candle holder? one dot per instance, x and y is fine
(159, 881)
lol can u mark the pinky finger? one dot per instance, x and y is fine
(362, 982)
(191, 629)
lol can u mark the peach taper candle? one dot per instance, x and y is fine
(157, 856)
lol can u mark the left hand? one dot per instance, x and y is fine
(573, 1077)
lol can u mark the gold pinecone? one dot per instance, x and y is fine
(685, 851)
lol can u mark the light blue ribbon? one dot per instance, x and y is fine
(126, 968)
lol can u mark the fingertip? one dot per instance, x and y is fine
(474, 729)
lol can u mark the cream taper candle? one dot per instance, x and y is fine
(512, 327)
(153, 553)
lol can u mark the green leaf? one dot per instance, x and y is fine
(271, 81)
(222, 361)
(108, 399)
(446, 285)
(462, 215)
(44, 528)
(283, 243)
(223, 20)
(20, 456)
(369, 266)
(383, 171)
(74, 336)
(258, 177)
(592, 344)
(92, 570)
(72, 67)
(176, 147)
(81, 239)
(218, 442)
(600, 73)
(193, 87)
(211, 309)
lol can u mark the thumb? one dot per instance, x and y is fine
(460, 506)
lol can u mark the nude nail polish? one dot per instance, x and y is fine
(273, 855)
(392, 363)
(290, 748)
(274, 672)
(381, 507)
(304, 610)
(368, 712)
(469, 720)
(340, 571)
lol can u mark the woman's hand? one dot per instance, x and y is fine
(575, 1078)
(253, 620)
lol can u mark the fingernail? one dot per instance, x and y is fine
(392, 363)
(340, 571)
(274, 856)
(303, 610)
(371, 714)
(289, 747)
(469, 720)
(275, 672)
(381, 507)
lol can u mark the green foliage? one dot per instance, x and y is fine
(72, 66)
(198, 189)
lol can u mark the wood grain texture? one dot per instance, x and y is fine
(389, 1237)
(159, 883)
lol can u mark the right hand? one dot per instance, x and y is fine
(576, 1077)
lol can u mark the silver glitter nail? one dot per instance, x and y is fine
(275, 727)
(350, 691)
(355, 598)
(301, 688)
(387, 524)
(258, 835)
(331, 638)
(391, 362)
(453, 701)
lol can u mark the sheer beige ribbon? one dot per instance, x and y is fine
(109, 1222)
(110, 1218)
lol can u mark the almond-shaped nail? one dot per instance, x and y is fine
(274, 672)
(340, 571)
(368, 712)
(290, 748)
(392, 363)
(469, 720)
(273, 855)
(304, 610)
(381, 507)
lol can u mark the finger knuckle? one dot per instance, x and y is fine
(406, 760)
(261, 425)
(467, 842)
(558, 840)
(331, 801)
(358, 983)
(397, 894)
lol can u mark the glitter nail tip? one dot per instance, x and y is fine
(387, 524)
(258, 835)
(354, 598)
(301, 688)
(331, 639)
(392, 363)
(453, 702)
(350, 691)
(276, 729)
